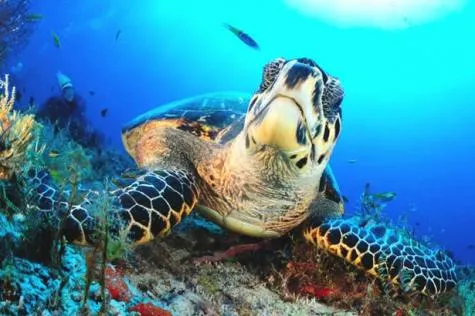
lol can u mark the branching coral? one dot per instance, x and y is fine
(16, 132)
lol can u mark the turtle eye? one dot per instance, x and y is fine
(271, 70)
(332, 98)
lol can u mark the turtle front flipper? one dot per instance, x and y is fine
(154, 202)
(147, 204)
(386, 253)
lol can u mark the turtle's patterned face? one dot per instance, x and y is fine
(296, 110)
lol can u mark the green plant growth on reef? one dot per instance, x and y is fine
(108, 246)
(63, 157)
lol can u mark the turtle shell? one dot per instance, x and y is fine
(216, 117)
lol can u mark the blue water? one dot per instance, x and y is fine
(409, 110)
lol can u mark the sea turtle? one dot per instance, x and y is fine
(257, 173)
(260, 171)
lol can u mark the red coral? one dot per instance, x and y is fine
(399, 312)
(116, 285)
(147, 309)
(318, 292)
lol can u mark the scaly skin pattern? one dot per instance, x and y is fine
(144, 206)
(386, 253)
(156, 201)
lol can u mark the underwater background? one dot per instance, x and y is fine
(405, 153)
(408, 74)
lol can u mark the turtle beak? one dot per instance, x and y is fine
(280, 125)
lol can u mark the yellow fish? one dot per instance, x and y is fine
(53, 153)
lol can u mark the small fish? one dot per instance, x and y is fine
(345, 199)
(57, 41)
(34, 17)
(31, 101)
(403, 218)
(92, 93)
(246, 39)
(385, 196)
(367, 186)
(18, 96)
(471, 247)
(53, 153)
(104, 112)
(352, 161)
(117, 34)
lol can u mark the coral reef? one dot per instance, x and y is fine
(63, 157)
(465, 302)
(16, 133)
(287, 277)
(90, 164)
(156, 279)
(167, 271)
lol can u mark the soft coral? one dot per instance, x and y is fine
(320, 293)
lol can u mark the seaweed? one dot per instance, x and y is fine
(108, 246)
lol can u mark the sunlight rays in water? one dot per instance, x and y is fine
(386, 14)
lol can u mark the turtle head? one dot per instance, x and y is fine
(296, 111)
